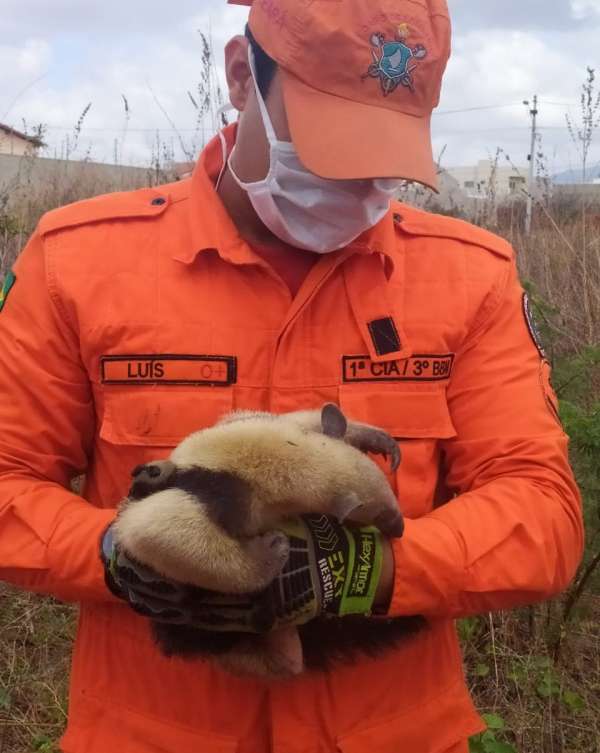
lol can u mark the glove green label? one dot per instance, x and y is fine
(349, 563)
(365, 572)
(362, 573)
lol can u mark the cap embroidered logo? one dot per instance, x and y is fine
(394, 61)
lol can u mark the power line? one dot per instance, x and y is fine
(494, 129)
(192, 130)
(119, 130)
(499, 107)
(104, 129)
(557, 104)
(501, 129)
(475, 109)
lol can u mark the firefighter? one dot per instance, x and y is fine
(282, 275)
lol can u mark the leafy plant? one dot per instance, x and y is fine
(488, 742)
(43, 744)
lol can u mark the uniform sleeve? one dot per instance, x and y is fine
(49, 537)
(513, 534)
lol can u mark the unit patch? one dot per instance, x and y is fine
(201, 371)
(419, 368)
(532, 326)
(9, 281)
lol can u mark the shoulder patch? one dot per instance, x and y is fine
(9, 281)
(417, 222)
(146, 202)
(532, 326)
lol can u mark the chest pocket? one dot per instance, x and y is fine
(418, 420)
(143, 424)
(160, 418)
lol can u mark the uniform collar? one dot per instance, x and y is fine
(212, 228)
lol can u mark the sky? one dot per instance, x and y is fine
(57, 57)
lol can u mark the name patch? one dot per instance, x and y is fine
(420, 368)
(201, 371)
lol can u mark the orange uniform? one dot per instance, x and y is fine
(137, 318)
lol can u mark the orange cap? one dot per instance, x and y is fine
(360, 80)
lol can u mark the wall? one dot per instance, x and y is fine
(591, 192)
(30, 177)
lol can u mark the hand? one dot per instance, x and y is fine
(158, 598)
(333, 570)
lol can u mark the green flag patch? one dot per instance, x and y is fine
(9, 281)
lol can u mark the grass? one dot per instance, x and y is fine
(36, 635)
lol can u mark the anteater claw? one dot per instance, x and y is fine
(376, 441)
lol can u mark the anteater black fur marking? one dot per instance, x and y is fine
(325, 642)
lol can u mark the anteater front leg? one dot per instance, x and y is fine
(193, 548)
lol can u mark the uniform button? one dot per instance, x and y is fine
(158, 202)
(398, 218)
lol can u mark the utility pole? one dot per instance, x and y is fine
(534, 114)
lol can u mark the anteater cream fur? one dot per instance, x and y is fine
(291, 470)
(169, 533)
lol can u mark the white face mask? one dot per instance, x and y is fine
(308, 211)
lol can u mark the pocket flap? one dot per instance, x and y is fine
(403, 414)
(440, 725)
(160, 418)
(100, 726)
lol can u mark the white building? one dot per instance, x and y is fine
(487, 179)
(16, 143)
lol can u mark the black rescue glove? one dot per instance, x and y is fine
(333, 570)
(158, 598)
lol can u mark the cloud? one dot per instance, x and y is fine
(110, 18)
(582, 9)
(33, 57)
(536, 15)
(22, 66)
(30, 58)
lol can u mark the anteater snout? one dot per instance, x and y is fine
(150, 478)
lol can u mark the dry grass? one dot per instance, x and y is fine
(562, 259)
(35, 642)
(548, 707)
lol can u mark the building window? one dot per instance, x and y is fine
(469, 184)
(515, 183)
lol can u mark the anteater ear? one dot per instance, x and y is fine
(333, 421)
